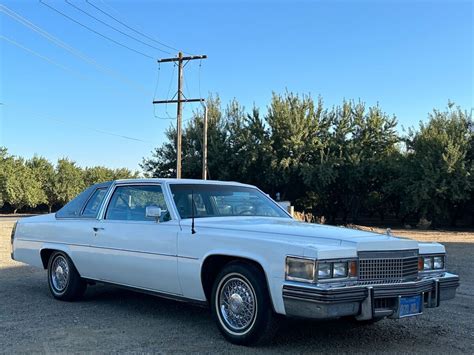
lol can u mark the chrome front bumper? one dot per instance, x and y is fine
(364, 301)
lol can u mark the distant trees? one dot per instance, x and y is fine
(34, 182)
(18, 185)
(345, 162)
(341, 162)
(439, 169)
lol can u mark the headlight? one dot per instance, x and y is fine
(438, 262)
(340, 269)
(324, 270)
(431, 262)
(299, 269)
(336, 269)
(428, 263)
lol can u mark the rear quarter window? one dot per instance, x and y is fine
(93, 204)
(75, 207)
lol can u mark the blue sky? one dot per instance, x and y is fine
(410, 56)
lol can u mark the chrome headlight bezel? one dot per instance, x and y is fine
(349, 267)
(308, 264)
(432, 262)
(334, 269)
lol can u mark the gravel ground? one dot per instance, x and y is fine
(114, 320)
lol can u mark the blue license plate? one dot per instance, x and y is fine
(409, 306)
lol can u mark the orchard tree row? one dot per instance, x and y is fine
(35, 182)
(342, 162)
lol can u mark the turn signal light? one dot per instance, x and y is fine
(352, 268)
(420, 263)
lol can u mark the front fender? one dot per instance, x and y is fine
(274, 282)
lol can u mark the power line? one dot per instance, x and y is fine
(169, 90)
(89, 128)
(94, 31)
(25, 22)
(154, 95)
(51, 61)
(114, 28)
(131, 28)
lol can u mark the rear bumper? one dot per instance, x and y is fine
(364, 301)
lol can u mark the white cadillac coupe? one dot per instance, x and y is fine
(230, 246)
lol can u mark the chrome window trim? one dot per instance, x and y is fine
(80, 216)
(107, 199)
(89, 198)
(178, 217)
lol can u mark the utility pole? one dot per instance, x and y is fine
(204, 145)
(179, 101)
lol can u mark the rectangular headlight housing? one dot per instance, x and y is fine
(431, 262)
(324, 270)
(336, 269)
(340, 269)
(300, 269)
(438, 262)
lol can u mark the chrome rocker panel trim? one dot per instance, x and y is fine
(323, 302)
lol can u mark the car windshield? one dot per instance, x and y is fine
(223, 201)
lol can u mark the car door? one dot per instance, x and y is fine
(131, 249)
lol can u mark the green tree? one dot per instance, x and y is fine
(293, 123)
(124, 173)
(69, 180)
(439, 181)
(5, 159)
(43, 172)
(162, 163)
(96, 174)
(19, 186)
(345, 161)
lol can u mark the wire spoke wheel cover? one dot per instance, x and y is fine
(236, 303)
(60, 273)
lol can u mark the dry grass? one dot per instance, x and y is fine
(426, 235)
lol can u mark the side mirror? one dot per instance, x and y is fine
(154, 212)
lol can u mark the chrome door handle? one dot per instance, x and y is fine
(96, 229)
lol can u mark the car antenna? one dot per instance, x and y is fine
(193, 231)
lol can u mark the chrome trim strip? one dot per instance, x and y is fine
(107, 248)
(161, 294)
(388, 254)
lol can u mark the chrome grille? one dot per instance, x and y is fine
(388, 267)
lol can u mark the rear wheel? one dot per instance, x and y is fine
(64, 281)
(241, 305)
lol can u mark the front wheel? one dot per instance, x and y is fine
(241, 304)
(64, 281)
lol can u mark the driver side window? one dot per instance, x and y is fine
(129, 203)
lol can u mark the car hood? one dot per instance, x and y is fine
(307, 234)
